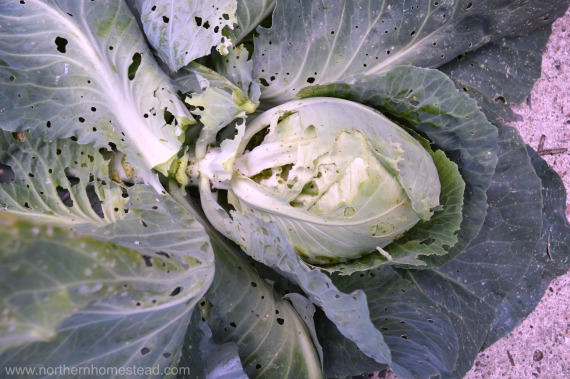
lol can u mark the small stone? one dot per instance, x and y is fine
(537, 356)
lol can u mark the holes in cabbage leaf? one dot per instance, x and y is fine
(147, 260)
(501, 99)
(94, 200)
(61, 44)
(64, 196)
(198, 20)
(176, 291)
(257, 139)
(145, 351)
(169, 117)
(6, 174)
(310, 80)
(280, 321)
(165, 19)
(134, 66)
(163, 254)
(263, 82)
(19, 136)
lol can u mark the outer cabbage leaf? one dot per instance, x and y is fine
(207, 358)
(82, 68)
(68, 290)
(183, 30)
(420, 336)
(240, 307)
(551, 257)
(98, 273)
(42, 190)
(428, 102)
(83, 297)
(500, 73)
(471, 288)
(266, 243)
(339, 40)
(272, 339)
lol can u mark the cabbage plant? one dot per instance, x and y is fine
(262, 188)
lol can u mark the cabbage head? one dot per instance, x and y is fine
(339, 178)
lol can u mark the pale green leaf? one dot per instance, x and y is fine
(322, 42)
(184, 30)
(82, 68)
(84, 277)
(266, 243)
(241, 307)
(58, 183)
